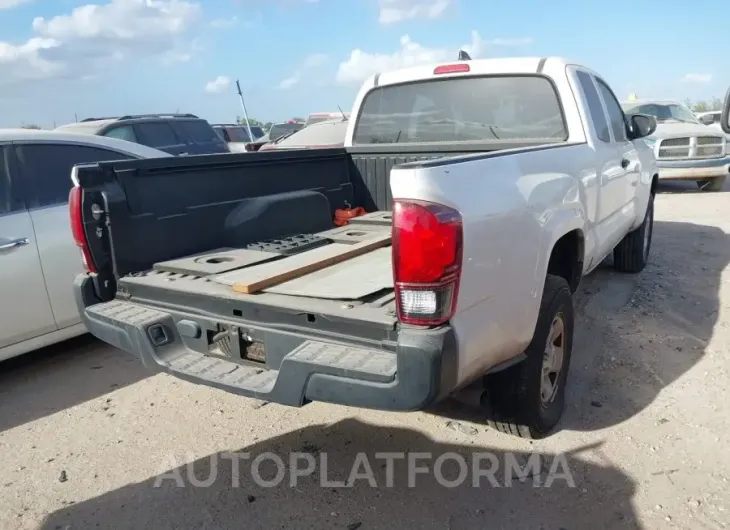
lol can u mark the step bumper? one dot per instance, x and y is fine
(421, 372)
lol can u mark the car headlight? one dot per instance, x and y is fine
(650, 142)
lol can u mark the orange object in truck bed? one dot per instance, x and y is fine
(343, 215)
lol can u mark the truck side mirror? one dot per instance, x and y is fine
(725, 116)
(707, 119)
(642, 125)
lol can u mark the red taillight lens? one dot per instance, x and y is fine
(451, 68)
(77, 228)
(427, 251)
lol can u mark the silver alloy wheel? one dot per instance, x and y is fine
(552, 360)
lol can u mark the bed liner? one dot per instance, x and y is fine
(359, 289)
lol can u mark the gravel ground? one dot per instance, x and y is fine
(90, 440)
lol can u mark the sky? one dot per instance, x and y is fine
(62, 60)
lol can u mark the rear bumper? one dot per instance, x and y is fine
(421, 371)
(693, 169)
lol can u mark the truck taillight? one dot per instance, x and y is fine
(77, 227)
(427, 251)
(451, 68)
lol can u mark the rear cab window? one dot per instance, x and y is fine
(463, 109)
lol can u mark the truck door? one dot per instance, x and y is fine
(24, 303)
(627, 151)
(607, 196)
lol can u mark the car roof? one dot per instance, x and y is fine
(93, 125)
(330, 132)
(43, 135)
(86, 127)
(233, 125)
(638, 102)
(477, 67)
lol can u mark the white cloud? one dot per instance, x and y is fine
(701, 79)
(218, 85)
(93, 35)
(361, 64)
(9, 4)
(312, 62)
(394, 11)
(223, 23)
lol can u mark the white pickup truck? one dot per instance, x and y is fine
(499, 183)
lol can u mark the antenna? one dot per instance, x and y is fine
(341, 112)
(463, 56)
(245, 112)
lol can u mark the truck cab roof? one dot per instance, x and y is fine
(511, 65)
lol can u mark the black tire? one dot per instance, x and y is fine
(716, 184)
(513, 399)
(632, 253)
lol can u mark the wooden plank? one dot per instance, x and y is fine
(254, 279)
(349, 280)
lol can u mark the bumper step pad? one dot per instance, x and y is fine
(126, 324)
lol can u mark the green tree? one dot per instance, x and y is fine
(704, 105)
(251, 121)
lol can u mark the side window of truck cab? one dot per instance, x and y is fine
(595, 109)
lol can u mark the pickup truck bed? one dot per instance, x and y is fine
(203, 331)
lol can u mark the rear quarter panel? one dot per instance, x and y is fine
(515, 205)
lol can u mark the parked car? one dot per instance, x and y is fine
(318, 135)
(499, 184)
(177, 134)
(280, 129)
(685, 148)
(238, 132)
(38, 257)
(236, 135)
(318, 117)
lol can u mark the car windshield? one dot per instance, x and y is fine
(466, 109)
(318, 119)
(320, 134)
(280, 129)
(663, 112)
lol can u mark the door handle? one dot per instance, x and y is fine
(625, 163)
(14, 243)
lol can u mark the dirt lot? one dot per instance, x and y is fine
(85, 432)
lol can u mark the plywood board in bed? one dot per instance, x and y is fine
(259, 277)
(216, 261)
(353, 279)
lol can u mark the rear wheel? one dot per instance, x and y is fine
(632, 253)
(528, 399)
(716, 184)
